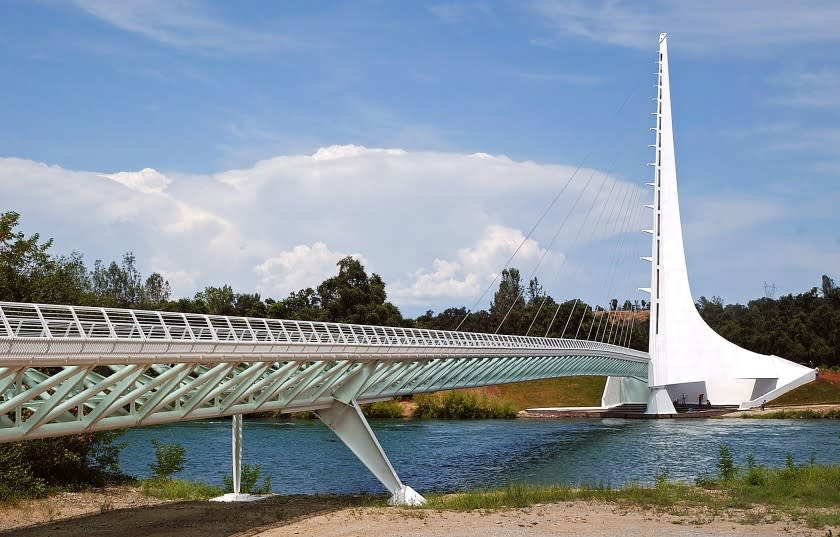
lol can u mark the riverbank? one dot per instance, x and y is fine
(120, 511)
(754, 500)
(811, 411)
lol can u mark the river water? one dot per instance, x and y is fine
(303, 456)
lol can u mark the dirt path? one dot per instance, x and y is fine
(184, 519)
(576, 518)
(353, 516)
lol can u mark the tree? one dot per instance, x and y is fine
(249, 305)
(508, 304)
(535, 291)
(828, 286)
(218, 300)
(156, 291)
(118, 286)
(354, 297)
(303, 305)
(21, 259)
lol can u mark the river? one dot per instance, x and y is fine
(303, 456)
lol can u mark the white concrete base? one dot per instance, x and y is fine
(660, 402)
(406, 496)
(240, 497)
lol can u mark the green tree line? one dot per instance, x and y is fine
(804, 327)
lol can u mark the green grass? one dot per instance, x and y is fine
(559, 392)
(810, 492)
(819, 391)
(462, 405)
(383, 409)
(178, 489)
(805, 414)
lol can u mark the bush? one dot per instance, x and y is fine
(383, 409)
(169, 459)
(725, 465)
(462, 405)
(248, 481)
(16, 479)
(28, 468)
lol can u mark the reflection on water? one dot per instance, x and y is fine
(305, 457)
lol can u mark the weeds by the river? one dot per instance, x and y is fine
(178, 489)
(809, 491)
(805, 414)
(391, 409)
(462, 405)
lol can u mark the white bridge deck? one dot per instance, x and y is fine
(69, 369)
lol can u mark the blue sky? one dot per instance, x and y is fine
(255, 144)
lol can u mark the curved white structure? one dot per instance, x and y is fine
(688, 358)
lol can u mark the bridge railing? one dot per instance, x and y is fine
(61, 322)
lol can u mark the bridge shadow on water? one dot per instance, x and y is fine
(199, 518)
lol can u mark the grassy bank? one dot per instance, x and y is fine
(809, 492)
(559, 392)
(824, 390)
(462, 405)
(795, 414)
(178, 489)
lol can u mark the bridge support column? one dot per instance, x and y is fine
(621, 390)
(348, 423)
(236, 452)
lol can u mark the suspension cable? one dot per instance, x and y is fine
(547, 210)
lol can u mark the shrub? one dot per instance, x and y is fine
(383, 409)
(16, 479)
(462, 405)
(28, 468)
(248, 481)
(725, 465)
(169, 459)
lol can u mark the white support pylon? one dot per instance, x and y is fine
(236, 452)
(349, 424)
(688, 360)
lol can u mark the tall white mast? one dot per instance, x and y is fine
(688, 359)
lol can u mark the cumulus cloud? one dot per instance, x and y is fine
(473, 268)
(437, 226)
(302, 266)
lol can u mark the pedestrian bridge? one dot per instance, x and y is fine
(71, 369)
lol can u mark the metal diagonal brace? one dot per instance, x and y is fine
(348, 423)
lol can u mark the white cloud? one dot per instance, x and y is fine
(711, 26)
(146, 180)
(473, 269)
(711, 219)
(301, 267)
(460, 12)
(184, 24)
(437, 226)
(819, 88)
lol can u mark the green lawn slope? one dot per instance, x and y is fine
(824, 390)
(558, 392)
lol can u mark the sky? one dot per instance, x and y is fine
(257, 143)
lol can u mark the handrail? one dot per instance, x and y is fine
(66, 323)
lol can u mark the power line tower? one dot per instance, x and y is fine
(769, 289)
